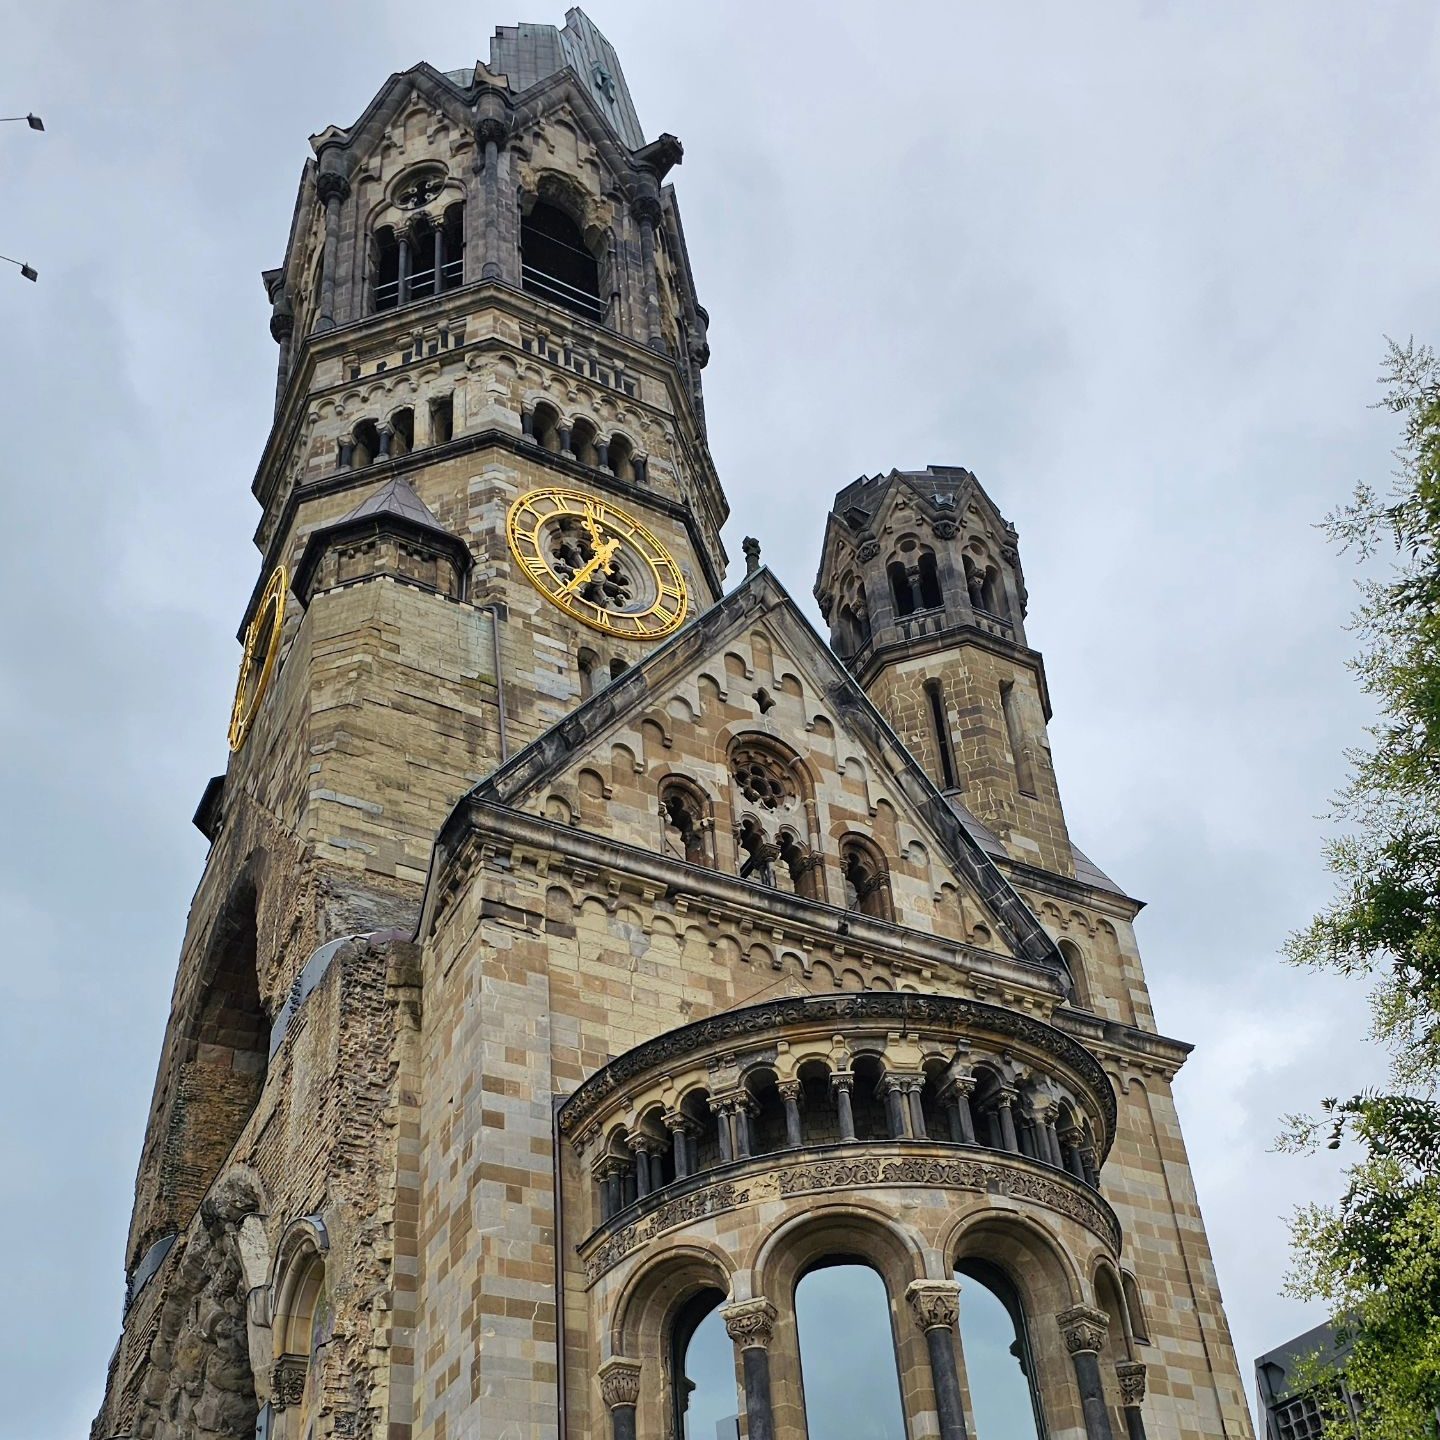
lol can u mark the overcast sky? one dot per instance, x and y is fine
(1131, 264)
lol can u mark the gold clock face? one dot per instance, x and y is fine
(262, 649)
(597, 563)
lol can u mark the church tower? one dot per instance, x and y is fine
(607, 1012)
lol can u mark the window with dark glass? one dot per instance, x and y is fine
(995, 1346)
(848, 1371)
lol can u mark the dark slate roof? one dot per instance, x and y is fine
(526, 54)
(396, 497)
(1087, 872)
(1275, 1370)
(984, 835)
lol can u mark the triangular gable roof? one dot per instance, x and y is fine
(549, 755)
(397, 497)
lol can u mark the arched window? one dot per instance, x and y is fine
(767, 1119)
(587, 661)
(755, 845)
(1075, 966)
(305, 1326)
(621, 457)
(1134, 1307)
(802, 867)
(582, 442)
(367, 444)
(386, 262)
(867, 1105)
(991, 593)
(900, 588)
(995, 1346)
(402, 429)
(930, 595)
(442, 419)
(545, 427)
(867, 881)
(423, 257)
(229, 1044)
(618, 667)
(685, 814)
(848, 1371)
(556, 264)
(702, 1369)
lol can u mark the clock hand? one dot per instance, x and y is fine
(603, 555)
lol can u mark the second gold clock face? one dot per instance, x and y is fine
(597, 563)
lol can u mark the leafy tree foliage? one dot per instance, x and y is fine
(1374, 1257)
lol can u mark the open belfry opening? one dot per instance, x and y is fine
(610, 1009)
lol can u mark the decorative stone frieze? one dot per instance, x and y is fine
(750, 1322)
(847, 1167)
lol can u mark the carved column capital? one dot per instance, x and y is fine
(619, 1382)
(842, 1080)
(331, 186)
(287, 1381)
(1082, 1328)
(644, 1141)
(750, 1323)
(1131, 1375)
(936, 1303)
(788, 1089)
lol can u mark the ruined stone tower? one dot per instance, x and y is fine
(607, 1010)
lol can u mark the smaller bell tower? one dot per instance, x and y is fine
(921, 585)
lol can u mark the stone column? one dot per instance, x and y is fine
(333, 190)
(1071, 1143)
(282, 329)
(607, 1176)
(1131, 1375)
(913, 1087)
(620, 1390)
(750, 1324)
(896, 1111)
(936, 1304)
(743, 1107)
(1089, 1167)
(1083, 1330)
(962, 1120)
(646, 210)
(842, 1082)
(491, 131)
(681, 1129)
(1003, 1108)
(721, 1110)
(387, 438)
(790, 1094)
(649, 1176)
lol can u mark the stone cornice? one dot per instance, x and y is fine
(903, 1009)
(1126, 1046)
(1062, 887)
(463, 303)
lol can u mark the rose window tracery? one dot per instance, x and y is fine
(761, 777)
